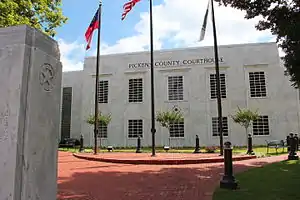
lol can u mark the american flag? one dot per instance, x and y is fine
(128, 7)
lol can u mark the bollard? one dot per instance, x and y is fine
(297, 142)
(288, 143)
(138, 147)
(291, 136)
(250, 148)
(228, 181)
(293, 154)
(81, 143)
(197, 147)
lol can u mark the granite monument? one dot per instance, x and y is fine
(30, 92)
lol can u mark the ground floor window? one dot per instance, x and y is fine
(135, 128)
(102, 128)
(215, 126)
(177, 130)
(261, 126)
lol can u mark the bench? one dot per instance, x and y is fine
(110, 148)
(275, 144)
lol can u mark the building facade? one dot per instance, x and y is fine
(251, 77)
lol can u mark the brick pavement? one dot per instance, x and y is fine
(89, 180)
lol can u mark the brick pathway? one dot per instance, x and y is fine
(88, 180)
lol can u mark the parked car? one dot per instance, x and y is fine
(69, 142)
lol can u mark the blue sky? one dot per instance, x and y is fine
(177, 23)
(80, 15)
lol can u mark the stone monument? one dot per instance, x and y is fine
(30, 95)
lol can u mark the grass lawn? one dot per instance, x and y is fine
(259, 151)
(279, 181)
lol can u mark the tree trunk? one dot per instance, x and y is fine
(246, 136)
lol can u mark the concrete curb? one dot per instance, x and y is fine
(158, 161)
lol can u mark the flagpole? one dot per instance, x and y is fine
(219, 100)
(153, 130)
(97, 81)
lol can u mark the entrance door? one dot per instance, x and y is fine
(66, 113)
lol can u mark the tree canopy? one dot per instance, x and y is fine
(167, 118)
(282, 18)
(102, 119)
(245, 117)
(45, 15)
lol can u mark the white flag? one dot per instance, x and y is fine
(203, 29)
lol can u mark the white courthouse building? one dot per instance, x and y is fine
(251, 77)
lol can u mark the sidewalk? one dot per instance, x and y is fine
(88, 180)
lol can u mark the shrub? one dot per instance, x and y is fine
(211, 149)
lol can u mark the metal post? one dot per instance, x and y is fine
(288, 143)
(138, 147)
(153, 130)
(81, 143)
(97, 80)
(293, 154)
(197, 147)
(250, 148)
(228, 181)
(219, 100)
(297, 142)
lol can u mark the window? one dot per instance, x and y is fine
(213, 86)
(136, 90)
(103, 92)
(175, 87)
(261, 126)
(257, 84)
(135, 128)
(177, 130)
(102, 130)
(215, 126)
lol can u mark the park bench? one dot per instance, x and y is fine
(275, 144)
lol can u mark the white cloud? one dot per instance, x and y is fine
(179, 22)
(72, 55)
(176, 22)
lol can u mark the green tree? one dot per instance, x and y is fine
(45, 15)
(167, 118)
(245, 118)
(102, 119)
(282, 18)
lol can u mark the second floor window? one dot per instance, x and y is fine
(213, 86)
(175, 88)
(136, 90)
(103, 92)
(257, 83)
